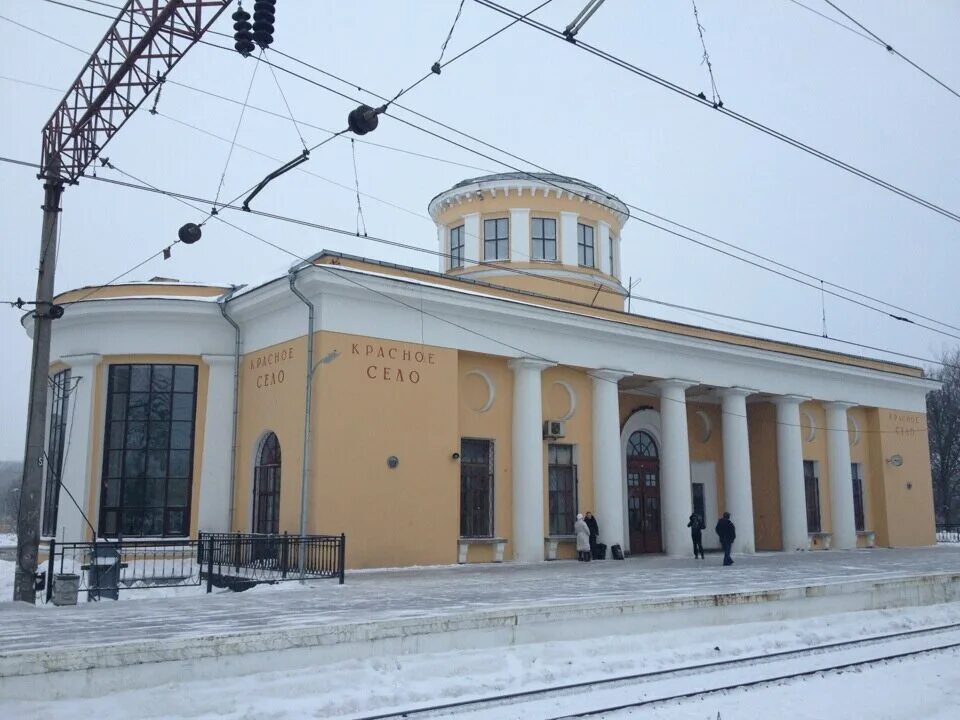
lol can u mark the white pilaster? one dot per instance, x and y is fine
(214, 512)
(793, 501)
(76, 478)
(443, 245)
(472, 244)
(519, 234)
(844, 524)
(603, 247)
(737, 491)
(568, 238)
(675, 494)
(615, 270)
(527, 461)
(607, 476)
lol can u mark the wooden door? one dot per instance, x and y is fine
(643, 494)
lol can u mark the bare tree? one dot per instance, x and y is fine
(943, 428)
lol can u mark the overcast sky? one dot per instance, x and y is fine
(550, 103)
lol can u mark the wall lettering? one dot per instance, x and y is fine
(267, 364)
(388, 371)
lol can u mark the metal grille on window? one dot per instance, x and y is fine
(543, 237)
(456, 247)
(857, 476)
(585, 245)
(60, 385)
(496, 239)
(562, 475)
(476, 488)
(812, 488)
(266, 487)
(148, 451)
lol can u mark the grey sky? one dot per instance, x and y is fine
(555, 105)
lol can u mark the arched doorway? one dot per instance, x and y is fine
(266, 487)
(643, 493)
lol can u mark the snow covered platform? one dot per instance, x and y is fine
(139, 643)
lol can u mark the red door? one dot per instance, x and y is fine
(643, 494)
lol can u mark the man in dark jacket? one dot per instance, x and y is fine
(591, 522)
(696, 534)
(728, 533)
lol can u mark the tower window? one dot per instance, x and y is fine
(585, 245)
(496, 239)
(456, 247)
(543, 236)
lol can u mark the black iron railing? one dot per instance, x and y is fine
(238, 559)
(107, 566)
(234, 560)
(948, 533)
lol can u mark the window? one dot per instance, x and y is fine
(266, 487)
(562, 474)
(856, 472)
(585, 245)
(699, 503)
(544, 238)
(456, 247)
(148, 450)
(476, 488)
(812, 487)
(60, 385)
(496, 239)
(642, 445)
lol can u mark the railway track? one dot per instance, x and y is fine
(638, 679)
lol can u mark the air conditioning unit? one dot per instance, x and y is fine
(554, 429)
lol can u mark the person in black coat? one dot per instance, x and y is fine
(591, 522)
(728, 533)
(696, 534)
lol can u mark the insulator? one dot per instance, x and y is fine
(244, 38)
(363, 120)
(264, 14)
(189, 233)
(55, 312)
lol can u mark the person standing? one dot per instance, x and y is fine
(591, 522)
(696, 534)
(583, 539)
(728, 533)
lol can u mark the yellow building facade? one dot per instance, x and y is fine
(468, 414)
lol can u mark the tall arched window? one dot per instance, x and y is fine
(266, 487)
(642, 445)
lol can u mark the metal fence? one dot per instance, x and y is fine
(232, 560)
(948, 533)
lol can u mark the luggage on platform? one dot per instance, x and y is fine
(617, 552)
(599, 551)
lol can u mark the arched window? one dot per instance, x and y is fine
(266, 487)
(642, 445)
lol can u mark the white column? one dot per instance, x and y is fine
(519, 234)
(844, 524)
(443, 245)
(527, 461)
(568, 238)
(737, 491)
(793, 498)
(214, 511)
(607, 478)
(603, 247)
(472, 243)
(615, 270)
(675, 494)
(76, 477)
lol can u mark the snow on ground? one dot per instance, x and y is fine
(8, 540)
(909, 689)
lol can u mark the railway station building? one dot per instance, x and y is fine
(468, 413)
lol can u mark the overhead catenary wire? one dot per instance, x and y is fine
(816, 279)
(833, 20)
(236, 132)
(893, 50)
(361, 221)
(717, 100)
(443, 48)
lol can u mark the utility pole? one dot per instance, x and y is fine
(145, 41)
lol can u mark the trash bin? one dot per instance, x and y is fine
(103, 572)
(66, 586)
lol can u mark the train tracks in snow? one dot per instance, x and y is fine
(595, 698)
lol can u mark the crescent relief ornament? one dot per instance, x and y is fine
(707, 426)
(854, 432)
(491, 390)
(812, 432)
(571, 395)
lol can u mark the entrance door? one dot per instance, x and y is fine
(643, 493)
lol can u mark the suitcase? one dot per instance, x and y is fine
(599, 551)
(616, 552)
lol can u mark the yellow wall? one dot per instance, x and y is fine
(582, 290)
(710, 450)
(764, 475)
(375, 400)
(493, 424)
(816, 450)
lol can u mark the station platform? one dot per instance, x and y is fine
(84, 649)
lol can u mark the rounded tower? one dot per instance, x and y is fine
(548, 234)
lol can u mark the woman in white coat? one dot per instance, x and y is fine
(583, 539)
